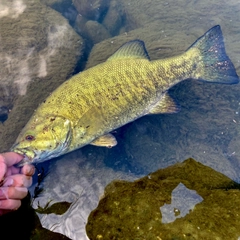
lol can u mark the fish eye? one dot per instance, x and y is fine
(29, 137)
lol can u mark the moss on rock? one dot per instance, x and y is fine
(132, 210)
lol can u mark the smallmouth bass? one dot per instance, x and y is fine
(88, 106)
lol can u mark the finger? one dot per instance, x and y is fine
(28, 170)
(10, 158)
(10, 204)
(12, 170)
(6, 160)
(3, 168)
(18, 180)
(13, 193)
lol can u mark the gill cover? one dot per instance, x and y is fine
(43, 139)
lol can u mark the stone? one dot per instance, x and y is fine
(38, 51)
(96, 32)
(199, 201)
(91, 9)
(113, 19)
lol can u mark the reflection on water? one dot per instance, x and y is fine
(183, 200)
(40, 48)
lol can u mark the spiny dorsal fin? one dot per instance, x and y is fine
(132, 49)
(166, 105)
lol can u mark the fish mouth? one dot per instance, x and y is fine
(31, 155)
(28, 155)
(24, 161)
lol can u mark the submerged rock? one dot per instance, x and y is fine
(185, 201)
(65, 7)
(96, 32)
(91, 9)
(113, 19)
(98, 20)
(38, 51)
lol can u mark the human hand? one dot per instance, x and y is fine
(13, 181)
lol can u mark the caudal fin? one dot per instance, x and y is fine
(213, 64)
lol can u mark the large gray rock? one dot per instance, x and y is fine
(38, 51)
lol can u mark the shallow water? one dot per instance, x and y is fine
(44, 42)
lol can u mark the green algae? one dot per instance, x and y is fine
(131, 210)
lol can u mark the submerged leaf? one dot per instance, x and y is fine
(58, 208)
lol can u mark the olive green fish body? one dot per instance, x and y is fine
(84, 109)
(108, 96)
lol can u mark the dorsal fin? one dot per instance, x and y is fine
(133, 49)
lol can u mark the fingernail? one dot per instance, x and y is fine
(31, 171)
(28, 170)
(21, 189)
(8, 182)
(27, 182)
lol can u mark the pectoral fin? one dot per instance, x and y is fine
(91, 121)
(107, 140)
(166, 105)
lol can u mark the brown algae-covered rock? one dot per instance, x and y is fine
(91, 9)
(96, 32)
(113, 19)
(95, 29)
(55, 2)
(158, 44)
(38, 51)
(185, 201)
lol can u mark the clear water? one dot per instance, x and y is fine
(44, 43)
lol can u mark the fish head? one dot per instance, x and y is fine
(42, 139)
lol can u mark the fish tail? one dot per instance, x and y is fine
(212, 63)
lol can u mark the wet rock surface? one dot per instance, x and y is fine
(98, 20)
(134, 210)
(91, 9)
(114, 17)
(38, 52)
(96, 31)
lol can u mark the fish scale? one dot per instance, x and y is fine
(87, 107)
